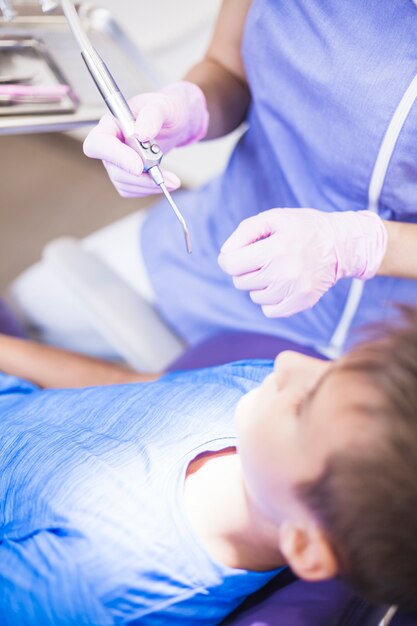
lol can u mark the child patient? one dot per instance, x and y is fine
(169, 501)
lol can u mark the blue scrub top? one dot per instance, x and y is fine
(327, 78)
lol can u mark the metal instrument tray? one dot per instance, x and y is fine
(30, 57)
(55, 48)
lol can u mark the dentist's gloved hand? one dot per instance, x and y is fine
(175, 116)
(288, 258)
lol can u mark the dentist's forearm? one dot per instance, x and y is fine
(400, 259)
(226, 95)
(221, 74)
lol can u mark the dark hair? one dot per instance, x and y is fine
(366, 497)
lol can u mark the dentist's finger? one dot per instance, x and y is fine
(153, 117)
(248, 259)
(119, 175)
(249, 231)
(110, 148)
(252, 281)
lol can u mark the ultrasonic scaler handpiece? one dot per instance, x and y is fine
(149, 152)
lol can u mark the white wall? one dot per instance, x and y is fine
(174, 33)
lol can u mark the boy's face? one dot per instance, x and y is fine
(286, 432)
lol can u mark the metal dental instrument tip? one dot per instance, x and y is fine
(155, 173)
(179, 216)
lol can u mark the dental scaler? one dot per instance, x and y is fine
(149, 151)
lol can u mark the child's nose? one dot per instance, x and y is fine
(288, 366)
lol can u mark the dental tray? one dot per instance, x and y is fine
(51, 46)
(29, 57)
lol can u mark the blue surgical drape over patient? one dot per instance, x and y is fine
(92, 526)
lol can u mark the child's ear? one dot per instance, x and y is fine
(307, 551)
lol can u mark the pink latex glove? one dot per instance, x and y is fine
(176, 116)
(288, 258)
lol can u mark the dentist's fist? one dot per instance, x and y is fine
(175, 116)
(288, 258)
